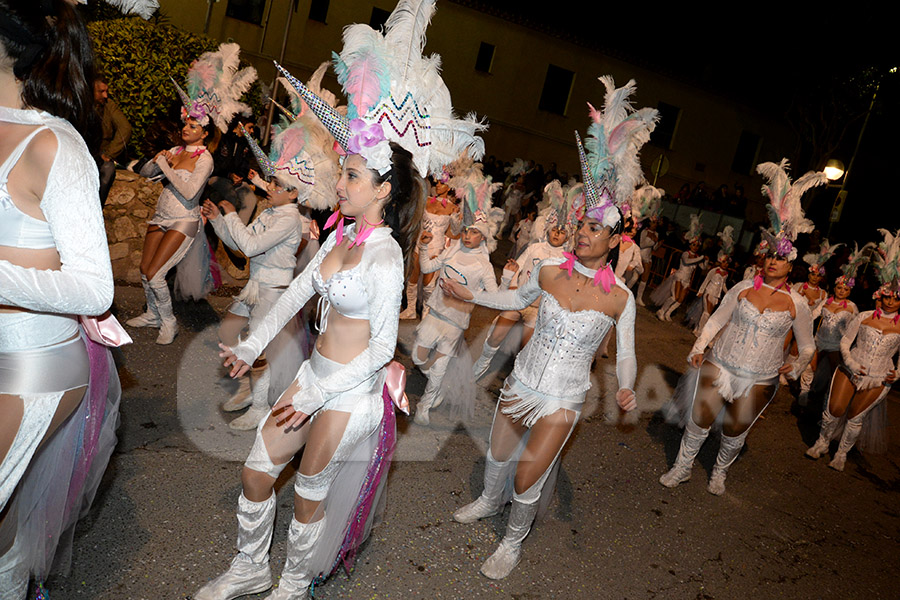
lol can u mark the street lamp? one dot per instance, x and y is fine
(834, 169)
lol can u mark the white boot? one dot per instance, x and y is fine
(728, 452)
(639, 297)
(668, 315)
(412, 293)
(151, 317)
(241, 398)
(259, 407)
(431, 397)
(488, 503)
(249, 572)
(14, 575)
(168, 328)
(691, 441)
(506, 557)
(852, 429)
(296, 577)
(481, 366)
(661, 313)
(829, 422)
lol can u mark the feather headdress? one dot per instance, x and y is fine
(214, 87)
(302, 155)
(517, 167)
(785, 212)
(817, 260)
(695, 230)
(557, 210)
(887, 263)
(475, 193)
(727, 238)
(141, 8)
(857, 258)
(646, 203)
(395, 94)
(610, 166)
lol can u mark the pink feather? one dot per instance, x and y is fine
(364, 82)
(621, 134)
(292, 142)
(596, 115)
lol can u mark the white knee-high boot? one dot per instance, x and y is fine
(668, 315)
(150, 318)
(829, 422)
(259, 406)
(639, 297)
(249, 572)
(488, 504)
(296, 577)
(431, 397)
(168, 328)
(852, 429)
(241, 398)
(728, 453)
(661, 313)
(481, 366)
(505, 558)
(691, 442)
(412, 295)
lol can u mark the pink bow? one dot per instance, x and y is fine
(395, 383)
(626, 238)
(105, 330)
(878, 314)
(336, 217)
(757, 282)
(570, 262)
(362, 235)
(605, 277)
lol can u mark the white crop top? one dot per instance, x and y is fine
(345, 290)
(17, 229)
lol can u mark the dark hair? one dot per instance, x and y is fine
(613, 255)
(54, 59)
(403, 212)
(213, 136)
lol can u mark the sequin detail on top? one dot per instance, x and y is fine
(874, 350)
(345, 291)
(753, 341)
(558, 356)
(831, 329)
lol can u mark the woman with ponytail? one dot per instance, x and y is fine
(58, 388)
(339, 406)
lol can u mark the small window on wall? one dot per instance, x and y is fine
(746, 153)
(664, 134)
(485, 59)
(318, 10)
(557, 90)
(379, 18)
(250, 11)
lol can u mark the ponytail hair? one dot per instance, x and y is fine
(50, 48)
(403, 212)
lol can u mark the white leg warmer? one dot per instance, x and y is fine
(691, 442)
(431, 397)
(728, 453)
(296, 577)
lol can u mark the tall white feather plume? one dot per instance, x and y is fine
(141, 8)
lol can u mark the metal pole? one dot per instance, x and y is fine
(284, 41)
(209, 5)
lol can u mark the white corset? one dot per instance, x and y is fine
(753, 341)
(436, 225)
(831, 329)
(874, 350)
(557, 359)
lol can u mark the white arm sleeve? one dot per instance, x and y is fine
(428, 264)
(516, 299)
(719, 318)
(199, 176)
(150, 169)
(803, 334)
(251, 243)
(848, 338)
(221, 230)
(488, 279)
(290, 302)
(83, 285)
(706, 280)
(626, 361)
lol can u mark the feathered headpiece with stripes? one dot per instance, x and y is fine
(727, 238)
(395, 94)
(817, 260)
(784, 209)
(857, 258)
(887, 263)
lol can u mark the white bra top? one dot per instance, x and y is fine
(17, 229)
(345, 290)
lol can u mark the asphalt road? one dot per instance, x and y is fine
(163, 523)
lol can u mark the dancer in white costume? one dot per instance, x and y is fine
(439, 337)
(716, 279)
(869, 347)
(59, 390)
(672, 292)
(303, 168)
(738, 377)
(581, 299)
(759, 258)
(214, 85)
(649, 199)
(558, 223)
(359, 272)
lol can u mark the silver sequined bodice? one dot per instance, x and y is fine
(753, 341)
(557, 359)
(831, 329)
(874, 350)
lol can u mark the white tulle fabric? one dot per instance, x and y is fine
(871, 349)
(84, 283)
(750, 349)
(381, 271)
(557, 359)
(832, 327)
